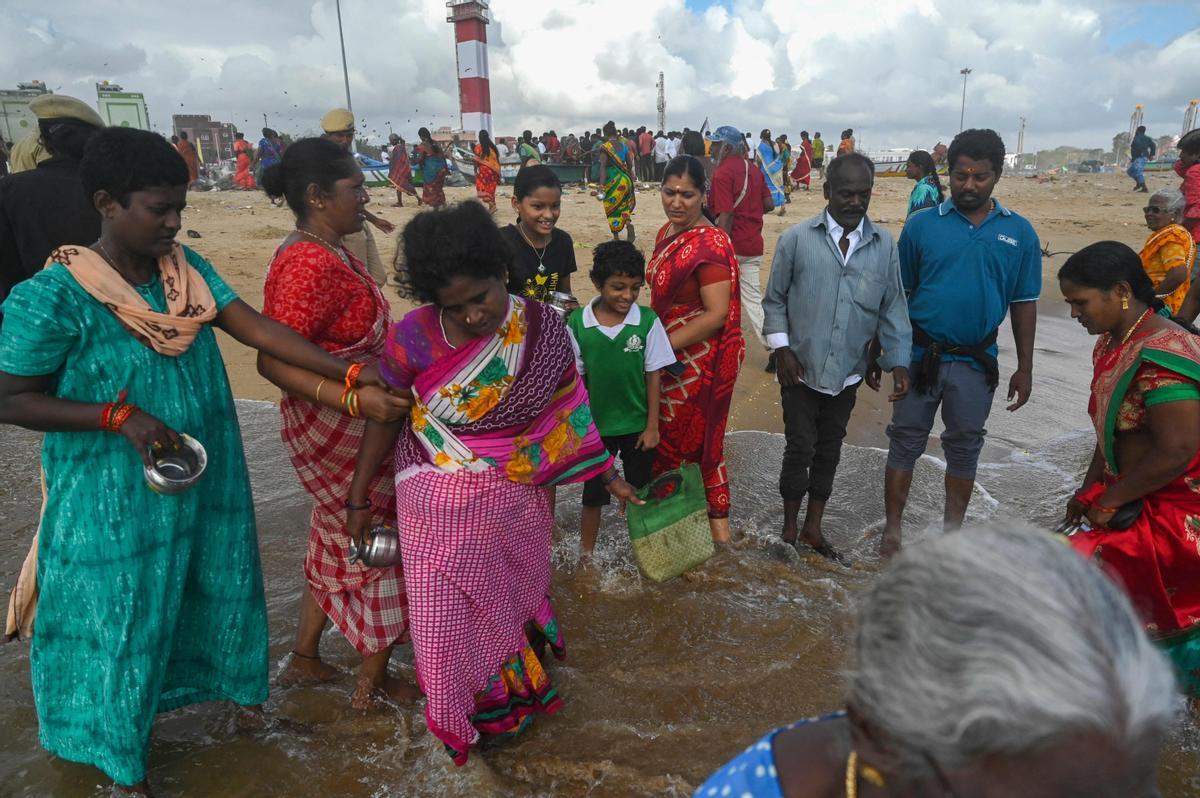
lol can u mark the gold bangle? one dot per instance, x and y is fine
(319, 384)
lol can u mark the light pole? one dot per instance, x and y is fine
(961, 115)
(345, 70)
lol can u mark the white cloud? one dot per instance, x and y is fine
(888, 68)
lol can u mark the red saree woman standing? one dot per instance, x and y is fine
(695, 403)
(245, 157)
(1157, 559)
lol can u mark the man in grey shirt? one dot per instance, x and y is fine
(834, 289)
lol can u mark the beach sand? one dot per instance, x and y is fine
(240, 230)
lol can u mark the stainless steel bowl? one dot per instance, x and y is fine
(176, 470)
(380, 548)
(562, 302)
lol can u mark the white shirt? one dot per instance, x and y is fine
(542, 147)
(659, 353)
(502, 148)
(660, 150)
(673, 148)
(835, 230)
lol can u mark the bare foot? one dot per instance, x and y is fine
(142, 788)
(305, 670)
(252, 718)
(889, 546)
(369, 693)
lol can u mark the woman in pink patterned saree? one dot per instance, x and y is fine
(499, 416)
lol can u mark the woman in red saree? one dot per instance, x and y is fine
(316, 287)
(1145, 406)
(499, 416)
(244, 152)
(400, 170)
(802, 174)
(693, 278)
(487, 170)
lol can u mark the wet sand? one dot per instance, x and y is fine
(663, 682)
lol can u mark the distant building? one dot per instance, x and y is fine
(213, 140)
(445, 136)
(120, 108)
(16, 120)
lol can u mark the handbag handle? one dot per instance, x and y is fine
(672, 480)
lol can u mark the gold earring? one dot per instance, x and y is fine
(1124, 303)
(871, 774)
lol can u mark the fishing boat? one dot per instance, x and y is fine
(510, 165)
(465, 161)
(375, 172)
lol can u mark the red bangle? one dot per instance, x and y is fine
(1102, 509)
(122, 415)
(352, 375)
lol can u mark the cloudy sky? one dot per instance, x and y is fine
(887, 68)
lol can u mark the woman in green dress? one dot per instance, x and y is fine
(147, 602)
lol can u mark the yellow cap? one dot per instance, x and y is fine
(59, 106)
(339, 120)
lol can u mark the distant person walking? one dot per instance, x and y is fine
(400, 170)
(802, 174)
(616, 160)
(771, 163)
(740, 198)
(434, 170)
(1141, 150)
(818, 155)
(846, 145)
(928, 192)
(487, 170)
(244, 152)
(188, 151)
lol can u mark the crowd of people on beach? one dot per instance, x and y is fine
(994, 658)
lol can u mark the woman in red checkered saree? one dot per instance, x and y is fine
(499, 416)
(316, 287)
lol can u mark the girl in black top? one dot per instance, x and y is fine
(543, 255)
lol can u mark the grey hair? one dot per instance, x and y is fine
(1002, 642)
(1174, 198)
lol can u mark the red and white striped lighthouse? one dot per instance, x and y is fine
(470, 18)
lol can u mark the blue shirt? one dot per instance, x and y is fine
(960, 279)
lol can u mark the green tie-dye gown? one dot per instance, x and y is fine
(147, 602)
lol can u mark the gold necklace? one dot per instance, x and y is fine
(113, 263)
(1129, 334)
(335, 250)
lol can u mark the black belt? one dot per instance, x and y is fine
(926, 370)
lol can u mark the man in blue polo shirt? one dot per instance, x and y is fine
(965, 264)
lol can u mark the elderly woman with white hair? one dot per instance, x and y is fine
(1169, 255)
(987, 664)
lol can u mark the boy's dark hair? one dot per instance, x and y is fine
(616, 258)
(1190, 143)
(122, 160)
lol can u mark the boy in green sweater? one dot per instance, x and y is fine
(619, 348)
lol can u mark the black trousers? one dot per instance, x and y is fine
(814, 424)
(637, 464)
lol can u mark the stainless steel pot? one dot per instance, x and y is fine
(562, 302)
(176, 470)
(379, 548)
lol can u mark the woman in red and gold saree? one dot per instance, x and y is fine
(487, 170)
(499, 416)
(693, 278)
(1145, 407)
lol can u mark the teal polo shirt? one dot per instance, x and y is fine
(961, 278)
